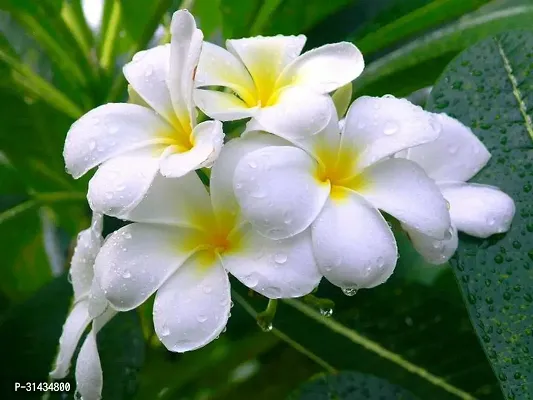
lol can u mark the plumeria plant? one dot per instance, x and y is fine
(295, 198)
(246, 173)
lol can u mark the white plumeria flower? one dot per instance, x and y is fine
(271, 82)
(89, 306)
(132, 143)
(183, 242)
(478, 210)
(336, 183)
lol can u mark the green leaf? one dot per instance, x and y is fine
(31, 331)
(405, 27)
(44, 22)
(349, 386)
(489, 88)
(397, 331)
(419, 62)
(359, 18)
(209, 16)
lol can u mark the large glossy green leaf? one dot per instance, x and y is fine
(29, 334)
(350, 386)
(418, 63)
(489, 87)
(411, 324)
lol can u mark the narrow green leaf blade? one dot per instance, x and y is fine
(489, 88)
(396, 72)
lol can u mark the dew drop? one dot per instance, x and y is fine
(350, 291)
(201, 318)
(280, 258)
(390, 128)
(165, 331)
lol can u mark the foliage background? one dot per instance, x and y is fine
(459, 331)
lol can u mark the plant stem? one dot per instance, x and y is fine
(298, 347)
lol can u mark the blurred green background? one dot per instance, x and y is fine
(61, 58)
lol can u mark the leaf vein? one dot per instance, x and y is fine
(516, 90)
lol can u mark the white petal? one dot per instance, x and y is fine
(97, 301)
(82, 263)
(222, 106)
(457, 154)
(218, 67)
(479, 210)
(208, 138)
(297, 113)
(136, 260)
(192, 308)
(353, 245)
(266, 57)
(77, 321)
(180, 201)
(326, 68)
(377, 127)
(221, 186)
(120, 183)
(274, 268)
(434, 251)
(402, 189)
(186, 44)
(108, 131)
(147, 75)
(277, 190)
(89, 378)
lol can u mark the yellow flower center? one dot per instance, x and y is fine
(336, 167)
(180, 133)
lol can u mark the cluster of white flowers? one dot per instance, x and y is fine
(297, 197)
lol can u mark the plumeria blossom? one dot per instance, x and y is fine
(132, 143)
(478, 210)
(336, 183)
(181, 245)
(269, 80)
(89, 307)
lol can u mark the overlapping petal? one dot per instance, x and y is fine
(182, 202)
(274, 268)
(353, 244)
(218, 67)
(433, 250)
(222, 106)
(192, 308)
(378, 127)
(87, 247)
(185, 47)
(297, 113)
(76, 323)
(89, 379)
(207, 137)
(325, 68)
(278, 191)
(111, 130)
(137, 259)
(457, 154)
(147, 74)
(122, 182)
(402, 189)
(478, 210)
(223, 198)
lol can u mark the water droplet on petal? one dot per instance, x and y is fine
(350, 291)
(280, 258)
(390, 128)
